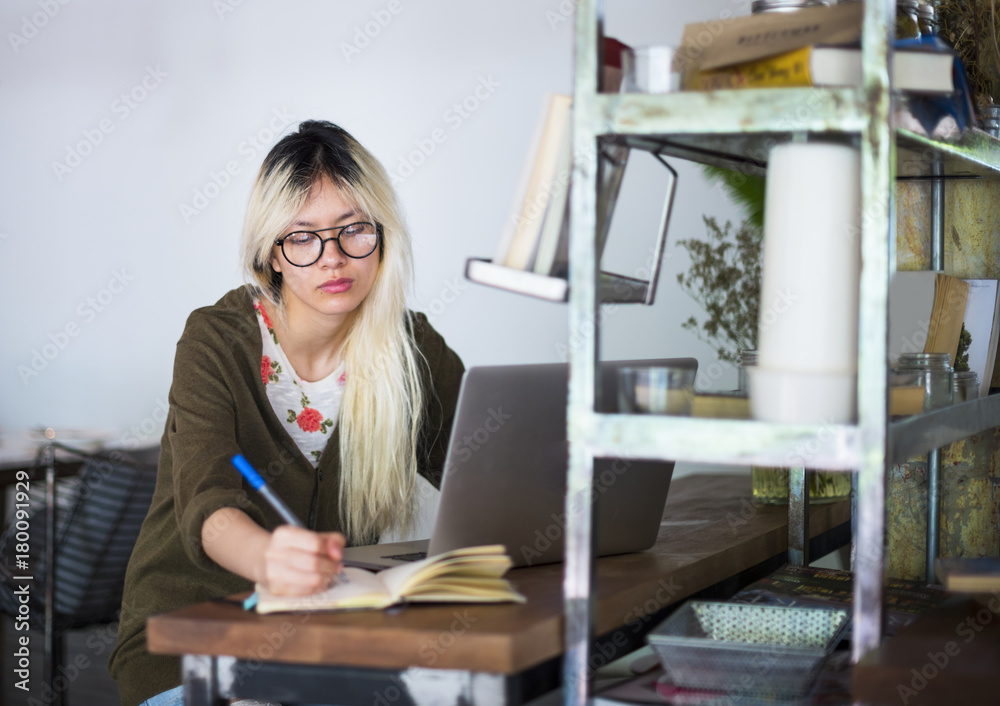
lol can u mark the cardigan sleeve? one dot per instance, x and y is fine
(444, 371)
(201, 433)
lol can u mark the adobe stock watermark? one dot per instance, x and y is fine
(147, 430)
(782, 302)
(225, 7)
(363, 35)
(32, 24)
(121, 108)
(467, 445)
(452, 290)
(431, 650)
(554, 532)
(216, 181)
(87, 312)
(938, 661)
(453, 117)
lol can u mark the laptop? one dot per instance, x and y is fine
(505, 473)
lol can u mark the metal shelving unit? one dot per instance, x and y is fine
(736, 129)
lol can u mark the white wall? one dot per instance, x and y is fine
(116, 117)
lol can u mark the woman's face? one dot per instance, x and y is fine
(335, 285)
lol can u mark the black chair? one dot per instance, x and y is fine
(94, 518)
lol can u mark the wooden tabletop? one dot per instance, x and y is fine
(710, 531)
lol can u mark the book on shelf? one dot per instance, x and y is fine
(469, 575)
(713, 44)
(982, 321)
(736, 405)
(926, 311)
(968, 574)
(721, 405)
(912, 70)
(535, 237)
(519, 241)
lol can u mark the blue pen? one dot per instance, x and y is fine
(254, 478)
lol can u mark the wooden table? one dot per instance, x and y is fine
(712, 541)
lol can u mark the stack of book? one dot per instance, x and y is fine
(810, 47)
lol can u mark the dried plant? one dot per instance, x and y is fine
(972, 27)
(724, 279)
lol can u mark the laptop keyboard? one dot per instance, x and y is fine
(412, 556)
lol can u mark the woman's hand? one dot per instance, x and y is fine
(298, 562)
(290, 561)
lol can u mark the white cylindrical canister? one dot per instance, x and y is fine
(807, 345)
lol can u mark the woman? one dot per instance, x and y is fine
(318, 375)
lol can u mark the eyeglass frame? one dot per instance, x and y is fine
(379, 239)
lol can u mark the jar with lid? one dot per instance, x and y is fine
(931, 371)
(758, 6)
(965, 386)
(927, 22)
(907, 19)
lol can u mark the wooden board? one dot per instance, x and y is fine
(710, 532)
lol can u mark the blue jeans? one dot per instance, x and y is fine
(170, 697)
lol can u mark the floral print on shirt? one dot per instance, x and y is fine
(269, 370)
(309, 419)
(262, 313)
(302, 407)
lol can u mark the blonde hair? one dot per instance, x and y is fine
(382, 407)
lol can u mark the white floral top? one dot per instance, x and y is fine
(308, 410)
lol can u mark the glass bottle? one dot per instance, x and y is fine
(907, 19)
(927, 21)
(931, 371)
(965, 386)
(770, 486)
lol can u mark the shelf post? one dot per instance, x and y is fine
(934, 457)
(578, 577)
(878, 260)
(798, 516)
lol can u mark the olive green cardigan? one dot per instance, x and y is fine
(219, 407)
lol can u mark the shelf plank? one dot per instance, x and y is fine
(732, 441)
(744, 441)
(736, 129)
(762, 110)
(974, 154)
(931, 430)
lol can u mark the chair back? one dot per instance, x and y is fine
(98, 516)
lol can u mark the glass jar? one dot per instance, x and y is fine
(770, 486)
(965, 386)
(907, 19)
(758, 6)
(748, 358)
(927, 21)
(931, 371)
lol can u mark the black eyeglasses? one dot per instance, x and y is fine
(305, 247)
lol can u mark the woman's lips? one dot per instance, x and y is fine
(335, 286)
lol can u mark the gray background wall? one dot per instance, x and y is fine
(130, 134)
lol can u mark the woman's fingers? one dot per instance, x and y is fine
(300, 562)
